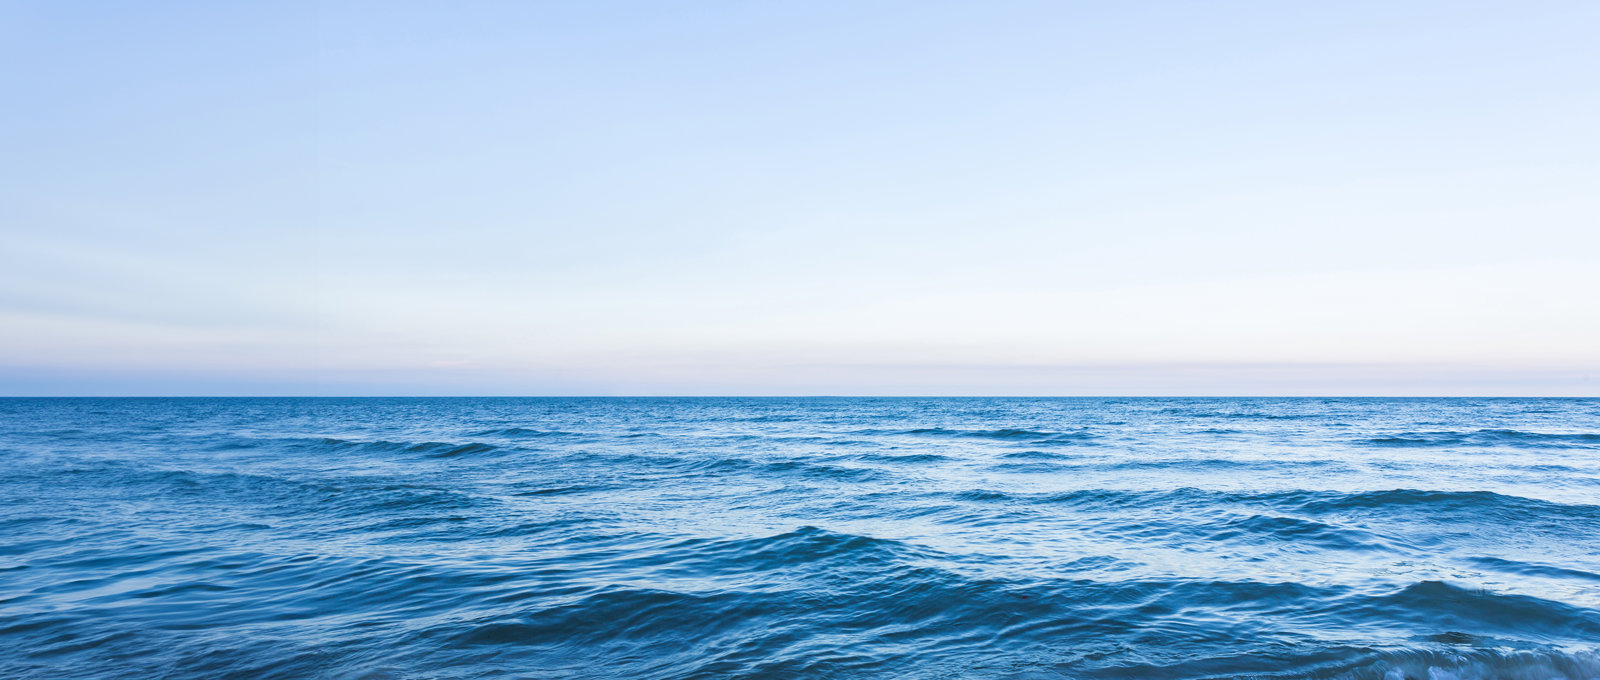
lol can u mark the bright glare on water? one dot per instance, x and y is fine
(800, 538)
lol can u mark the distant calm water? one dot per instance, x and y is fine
(799, 538)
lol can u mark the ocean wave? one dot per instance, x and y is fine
(1002, 434)
(431, 449)
(1033, 463)
(1533, 569)
(1301, 533)
(444, 450)
(782, 468)
(1445, 661)
(1497, 437)
(1236, 415)
(1037, 455)
(1432, 603)
(1179, 465)
(1479, 664)
(370, 504)
(903, 458)
(1482, 503)
(1305, 501)
(801, 546)
(563, 490)
(523, 433)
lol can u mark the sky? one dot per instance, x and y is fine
(730, 198)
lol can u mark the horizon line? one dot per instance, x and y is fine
(789, 396)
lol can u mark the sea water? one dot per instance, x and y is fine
(800, 538)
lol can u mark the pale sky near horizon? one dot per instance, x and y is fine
(1075, 198)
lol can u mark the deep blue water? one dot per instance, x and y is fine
(799, 538)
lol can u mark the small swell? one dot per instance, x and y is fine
(1519, 438)
(785, 468)
(1215, 464)
(1294, 531)
(523, 433)
(429, 449)
(1003, 434)
(442, 450)
(1478, 664)
(1450, 501)
(1234, 415)
(1036, 455)
(820, 471)
(559, 490)
(812, 544)
(337, 444)
(982, 496)
(909, 458)
(779, 553)
(1532, 569)
(1411, 501)
(1428, 603)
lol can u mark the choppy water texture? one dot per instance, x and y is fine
(799, 538)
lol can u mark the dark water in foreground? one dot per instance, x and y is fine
(799, 538)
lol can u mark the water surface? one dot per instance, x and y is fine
(799, 538)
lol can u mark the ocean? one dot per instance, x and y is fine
(1432, 539)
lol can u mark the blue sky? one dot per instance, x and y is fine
(800, 198)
